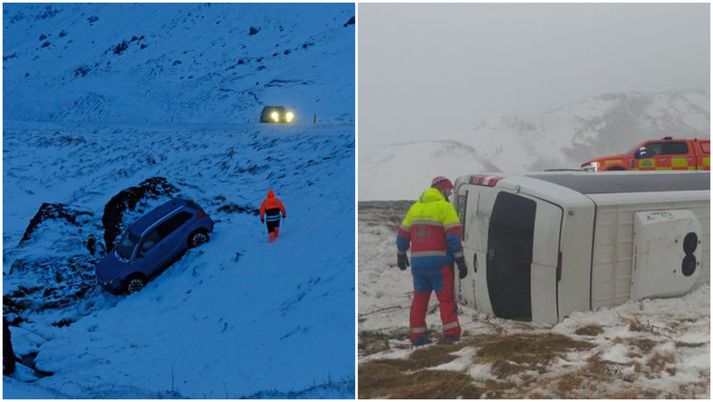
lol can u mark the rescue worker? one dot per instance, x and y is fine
(432, 230)
(272, 207)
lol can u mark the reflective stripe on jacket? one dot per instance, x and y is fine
(432, 230)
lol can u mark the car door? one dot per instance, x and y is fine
(646, 156)
(678, 154)
(150, 254)
(174, 234)
(664, 155)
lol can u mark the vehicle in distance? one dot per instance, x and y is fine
(152, 244)
(664, 154)
(276, 115)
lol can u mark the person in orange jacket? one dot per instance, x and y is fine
(272, 207)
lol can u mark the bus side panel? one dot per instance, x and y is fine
(611, 264)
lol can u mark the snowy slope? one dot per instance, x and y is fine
(237, 317)
(654, 348)
(187, 63)
(561, 138)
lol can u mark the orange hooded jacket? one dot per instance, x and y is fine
(273, 206)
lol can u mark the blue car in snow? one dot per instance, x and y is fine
(153, 243)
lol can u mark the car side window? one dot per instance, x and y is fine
(675, 148)
(173, 223)
(150, 240)
(650, 150)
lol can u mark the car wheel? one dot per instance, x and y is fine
(135, 284)
(198, 238)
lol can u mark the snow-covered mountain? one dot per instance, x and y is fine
(86, 150)
(561, 138)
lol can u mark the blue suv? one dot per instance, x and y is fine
(153, 243)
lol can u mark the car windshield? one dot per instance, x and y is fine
(126, 245)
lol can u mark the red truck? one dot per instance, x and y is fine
(663, 154)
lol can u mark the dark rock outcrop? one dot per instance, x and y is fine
(8, 355)
(128, 199)
(239, 209)
(50, 211)
(49, 283)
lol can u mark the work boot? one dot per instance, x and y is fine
(271, 237)
(421, 341)
(277, 232)
(449, 339)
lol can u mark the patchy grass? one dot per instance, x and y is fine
(645, 345)
(371, 342)
(589, 330)
(508, 354)
(660, 362)
(512, 354)
(395, 379)
(522, 367)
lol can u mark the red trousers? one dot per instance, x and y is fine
(442, 282)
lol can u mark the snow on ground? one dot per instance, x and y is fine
(651, 348)
(233, 318)
(236, 317)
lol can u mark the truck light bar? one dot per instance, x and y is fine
(488, 181)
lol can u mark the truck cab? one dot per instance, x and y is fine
(664, 154)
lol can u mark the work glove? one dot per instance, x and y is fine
(284, 217)
(402, 261)
(462, 269)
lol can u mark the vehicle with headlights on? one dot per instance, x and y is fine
(276, 115)
(152, 244)
(664, 154)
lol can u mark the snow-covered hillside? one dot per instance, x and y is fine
(654, 348)
(561, 138)
(236, 317)
(176, 63)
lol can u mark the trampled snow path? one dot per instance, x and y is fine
(652, 348)
(235, 317)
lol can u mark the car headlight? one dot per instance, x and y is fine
(592, 166)
(289, 116)
(275, 116)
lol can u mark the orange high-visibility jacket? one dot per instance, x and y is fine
(273, 207)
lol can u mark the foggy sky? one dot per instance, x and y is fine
(428, 70)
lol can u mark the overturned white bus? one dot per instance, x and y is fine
(540, 246)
